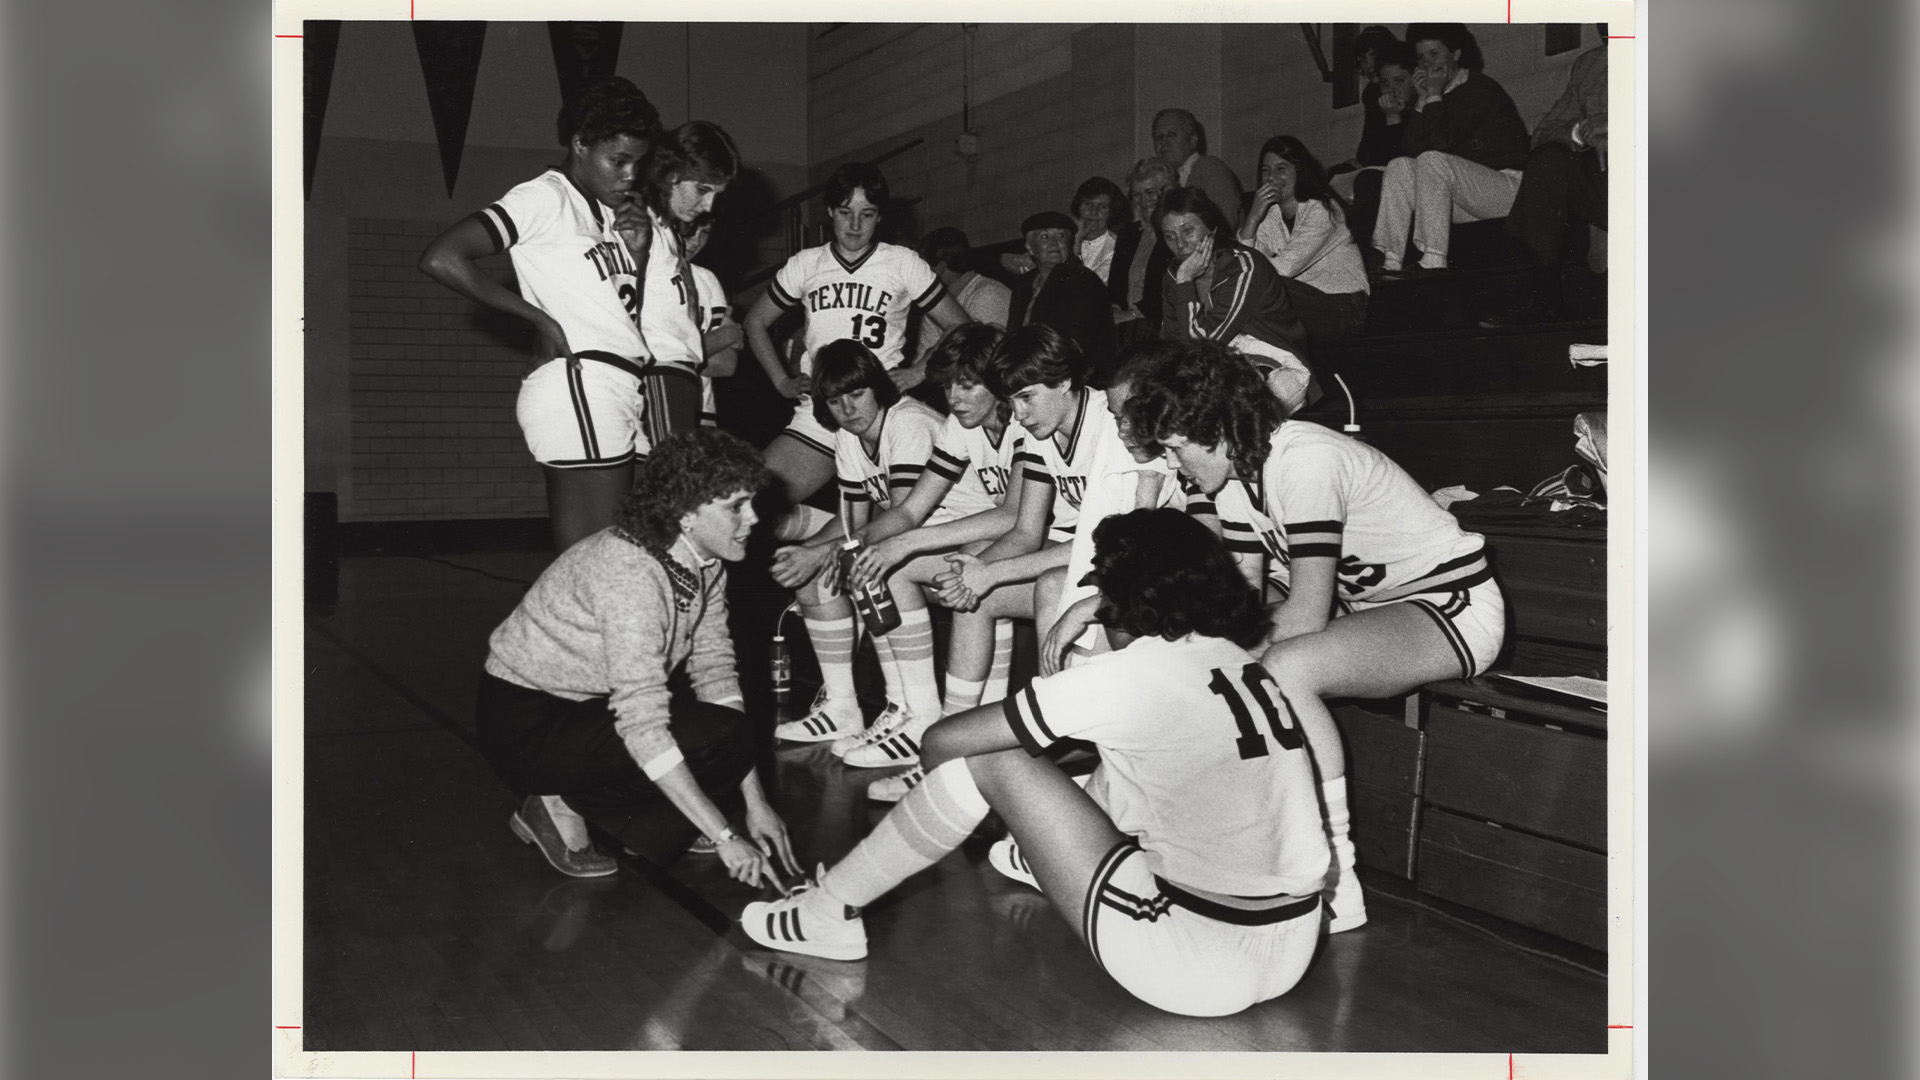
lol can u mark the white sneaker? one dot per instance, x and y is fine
(895, 788)
(1005, 857)
(808, 921)
(1346, 903)
(827, 719)
(889, 720)
(899, 746)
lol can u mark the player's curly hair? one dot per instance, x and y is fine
(964, 354)
(843, 366)
(605, 108)
(1036, 353)
(1208, 394)
(696, 150)
(1162, 574)
(686, 471)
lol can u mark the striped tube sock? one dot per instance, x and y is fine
(1002, 669)
(962, 694)
(889, 668)
(912, 644)
(833, 644)
(1338, 822)
(932, 820)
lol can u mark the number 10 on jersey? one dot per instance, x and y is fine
(1252, 677)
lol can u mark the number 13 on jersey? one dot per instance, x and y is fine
(876, 330)
(1253, 681)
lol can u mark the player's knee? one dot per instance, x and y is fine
(1292, 665)
(937, 746)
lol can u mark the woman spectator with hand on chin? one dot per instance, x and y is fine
(1300, 225)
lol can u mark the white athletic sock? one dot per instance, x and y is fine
(912, 645)
(962, 694)
(833, 646)
(889, 669)
(932, 820)
(1002, 667)
(1334, 794)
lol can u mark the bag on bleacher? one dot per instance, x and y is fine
(1575, 485)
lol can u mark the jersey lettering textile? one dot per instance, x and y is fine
(569, 262)
(866, 300)
(1322, 493)
(1202, 759)
(715, 312)
(670, 332)
(907, 431)
(978, 467)
(1067, 471)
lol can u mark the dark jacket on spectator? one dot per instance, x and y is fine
(1074, 302)
(1379, 140)
(1585, 98)
(1124, 250)
(1475, 120)
(1242, 294)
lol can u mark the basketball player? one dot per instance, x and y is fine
(720, 335)
(852, 288)
(1342, 527)
(1192, 863)
(580, 409)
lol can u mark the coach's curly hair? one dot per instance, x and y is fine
(1208, 394)
(609, 107)
(1162, 574)
(685, 472)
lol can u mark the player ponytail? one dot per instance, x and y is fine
(1162, 574)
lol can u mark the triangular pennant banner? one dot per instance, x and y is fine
(450, 60)
(583, 52)
(321, 38)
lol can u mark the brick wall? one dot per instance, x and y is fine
(432, 382)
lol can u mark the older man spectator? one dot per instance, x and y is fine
(1063, 294)
(946, 250)
(1140, 256)
(1565, 182)
(1465, 145)
(1179, 140)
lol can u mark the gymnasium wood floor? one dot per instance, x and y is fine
(429, 927)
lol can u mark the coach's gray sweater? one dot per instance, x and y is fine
(602, 621)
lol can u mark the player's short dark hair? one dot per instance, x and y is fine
(1455, 36)
(1036, 353)
(965, 354)
(1099, 185)
(1192, 200)
(605, 108)
(856, 175)
(1209, 394)
(1162, 574)
(841, 367)
(686, 471)
(946, 246)
(696, 150)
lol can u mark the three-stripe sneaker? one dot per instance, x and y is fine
(899, 745)
(807, 921)
(889, 720)
(1005, 857)
(895, 788)
(827, 719)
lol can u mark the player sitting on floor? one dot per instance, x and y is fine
(1192, 863)
(1344, 530)
(881, 445)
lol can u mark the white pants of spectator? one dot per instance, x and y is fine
(1425, 195)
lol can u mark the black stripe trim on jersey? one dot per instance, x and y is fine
(1296, 528)
(780, 298)
(1039, 720)
(1030, 457)
(930, 299)
(1073, 435)
(1460, 650)
(944, 471)
(1212, 909)
(855, 265)
(1244, 547)
(594, 463)
(1109, 865)
(807, 441)
(1451, 565)
(879, 432)
(498, 241)
(1202, 508)
(1315, 551)
(905, 471)
(513, 231)
(1010, 708)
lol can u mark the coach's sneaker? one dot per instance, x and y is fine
(827, 719)
(807, 921)
(895, 788)
(1005, 857)
(889, 720)
(900, 746)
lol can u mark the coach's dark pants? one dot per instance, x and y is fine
(1559, 187)
(546, 745)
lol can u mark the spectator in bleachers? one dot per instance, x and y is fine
(1566, 181)
(1140, 257)
(1220, 290)
(1386, 63)
(1300, 225)
(1063, 294)
(951, 256)
(1096, 206)
(1463, 150)
(1179, 140)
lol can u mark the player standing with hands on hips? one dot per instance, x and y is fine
(573, 233)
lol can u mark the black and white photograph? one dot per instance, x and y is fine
(1046, 540)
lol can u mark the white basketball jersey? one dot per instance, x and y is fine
(978, 467)
(1067, 470)
(671, 331)
(865, 300)
(1113, 487)
(715, 312)
(1204, 761)
(569, 262)
(907, 431)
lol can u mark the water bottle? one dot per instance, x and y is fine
(782, 658)
(876, 607)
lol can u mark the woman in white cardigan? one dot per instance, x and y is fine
(1299, 223)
